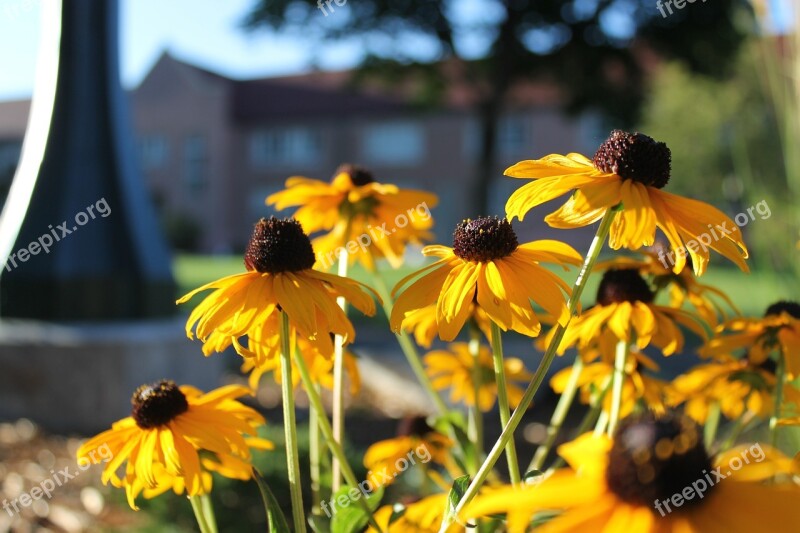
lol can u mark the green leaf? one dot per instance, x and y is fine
(532, 476)
(276, 522)
(351, 517)
(397, 513)
(456, 422)
(319, 524)
(454, 496)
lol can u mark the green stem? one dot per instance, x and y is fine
(738, 428)
(476, 415)
(290, 428)
(407, 345)
(338, 380)
(712, 425)
(314, 458)
(559, 415)
(591, 417)
(620, 358)
(203, 513)
(780, 382)
(415, 361)
(327, 432)
(502, 401)
(602, 423)
(544, 366)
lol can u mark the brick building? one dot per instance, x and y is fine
(212, 148)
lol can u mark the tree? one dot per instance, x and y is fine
(598, 51)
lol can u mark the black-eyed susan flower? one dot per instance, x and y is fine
(625, 312)
(655, 476)
(160, 443)
(454, 369)
(631, 170)
(379, 219)
(320, 368)
(638, 385)
(736, 385)
(386, 460)
(422, 323)
(710, 303)
(487, 267)
(422, 516)
(279, 278)
(778, 330)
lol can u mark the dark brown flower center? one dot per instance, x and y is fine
(623, 285)
(792, 308)
(365, 206)
(157, 404)
(278, 246)
(358, 175)
(635, 156)
(484, 239)
(653, 459)
(414, 426)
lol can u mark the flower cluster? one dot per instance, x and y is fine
(639, 446)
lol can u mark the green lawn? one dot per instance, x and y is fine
(751, 292)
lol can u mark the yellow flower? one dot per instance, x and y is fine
(487, 267)
(682, 287)
(625, 312)
(654, 477)
(779, 329)
(628, 169)
(455, 370)
(279, 278)
(379, 219)
(734, 384)
(423, 516)
(386, 460)
(168, 427)
(637, 385)
(422, 323)
(320, 367)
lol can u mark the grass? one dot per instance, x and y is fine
(751, 292)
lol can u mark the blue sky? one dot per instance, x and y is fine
(207, 32)
(202, 31)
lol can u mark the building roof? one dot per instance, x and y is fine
(333, 93)
(317, 94)
(267, 99)
(274, 99)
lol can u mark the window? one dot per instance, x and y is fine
(513, 136)
(285, 147)
(592, 131)
(195, 160)
(153, 151)
(393, 143)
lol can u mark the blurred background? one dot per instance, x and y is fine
(228, 99)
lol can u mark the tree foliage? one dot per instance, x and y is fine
(598, 51)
